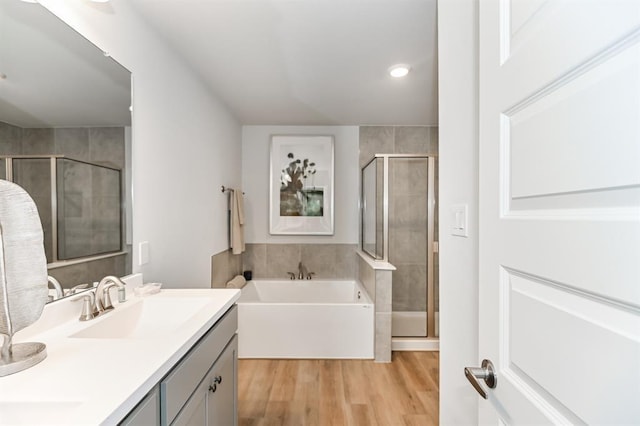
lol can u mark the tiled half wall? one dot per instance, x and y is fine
(337, 261)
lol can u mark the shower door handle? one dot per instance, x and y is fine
(487, 373)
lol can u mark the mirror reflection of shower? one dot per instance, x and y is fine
(399, 225)
(80, 203)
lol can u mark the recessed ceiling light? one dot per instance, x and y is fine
(399, 70)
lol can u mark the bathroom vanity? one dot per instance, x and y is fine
(168, 358)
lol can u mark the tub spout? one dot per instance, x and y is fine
(302, 271)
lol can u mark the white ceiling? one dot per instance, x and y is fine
(54, 76)
(308, 62)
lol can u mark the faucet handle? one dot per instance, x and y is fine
(292, 276)
(88, 303)
(75, 289)
(310, 274)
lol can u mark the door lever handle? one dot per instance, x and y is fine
(486, 372)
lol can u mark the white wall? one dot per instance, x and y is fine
(255, 181)
(458, 100)
(186, 145)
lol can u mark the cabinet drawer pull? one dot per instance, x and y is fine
(213, 388)
(217, 379)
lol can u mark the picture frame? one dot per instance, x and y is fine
(301, 185)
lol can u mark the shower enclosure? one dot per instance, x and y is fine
(398, 218)
(79, 203)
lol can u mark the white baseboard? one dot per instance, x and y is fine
(415, 344)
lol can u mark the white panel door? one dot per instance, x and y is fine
(560, 210)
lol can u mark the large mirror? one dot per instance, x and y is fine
(65, 126)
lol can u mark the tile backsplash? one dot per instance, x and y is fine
(325, 260)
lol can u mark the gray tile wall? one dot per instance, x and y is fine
(10, 139)
(89, 272)
(379, 286)
(225, 266)
(337, 261)
(397, 140)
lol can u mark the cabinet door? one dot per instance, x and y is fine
(147, 413)
(215, 399)
(223, 388)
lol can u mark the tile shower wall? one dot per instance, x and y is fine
(408, 201)
(336, 261)
(101, 145)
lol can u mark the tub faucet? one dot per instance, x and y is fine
(302, 271)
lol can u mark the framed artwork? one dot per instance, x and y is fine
(301, 185)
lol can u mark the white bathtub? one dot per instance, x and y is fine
(305, 319)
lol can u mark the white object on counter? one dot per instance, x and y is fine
(147, 289)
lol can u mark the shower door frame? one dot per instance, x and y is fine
(53, 167)
(431, 201)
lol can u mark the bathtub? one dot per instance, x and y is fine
(305, 319)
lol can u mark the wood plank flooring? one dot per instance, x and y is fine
(340, 392)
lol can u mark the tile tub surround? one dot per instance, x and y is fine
(376, 278)
(326, 260)
(224, 266)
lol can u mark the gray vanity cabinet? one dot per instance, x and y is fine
(184, 391)
(214, 401)
(147, 412)
(201, 389)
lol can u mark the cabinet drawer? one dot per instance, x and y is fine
(214, 402)
(177, 387)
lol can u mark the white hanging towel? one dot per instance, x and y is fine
(237, 222)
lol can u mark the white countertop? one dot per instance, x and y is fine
(99, 380)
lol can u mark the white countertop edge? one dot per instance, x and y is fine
(375, 264)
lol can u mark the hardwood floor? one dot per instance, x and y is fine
(340, 392)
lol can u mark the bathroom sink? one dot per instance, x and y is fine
(30, 412)
(147, 318)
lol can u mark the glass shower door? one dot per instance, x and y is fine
(399, 225)
(408, 243)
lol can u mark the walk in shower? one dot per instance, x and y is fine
(399, 218)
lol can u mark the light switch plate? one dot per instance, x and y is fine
(143, 253)
(459, 220)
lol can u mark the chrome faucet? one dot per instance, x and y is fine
(292, 276)
(103, 299)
